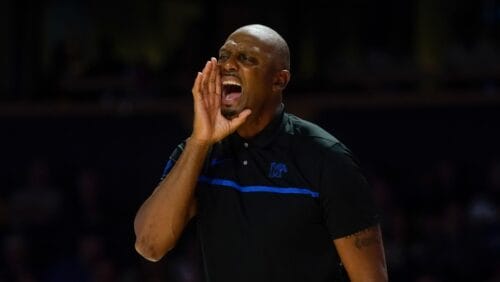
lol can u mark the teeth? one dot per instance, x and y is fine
(229, 82)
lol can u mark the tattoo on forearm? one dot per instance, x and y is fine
(365, 238)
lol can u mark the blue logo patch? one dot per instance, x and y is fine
(276, 170)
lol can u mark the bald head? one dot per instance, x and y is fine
(272, 39)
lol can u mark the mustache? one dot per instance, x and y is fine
(230, 73)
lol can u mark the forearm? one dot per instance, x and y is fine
(163, 216)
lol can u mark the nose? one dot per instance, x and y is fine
(229, 65)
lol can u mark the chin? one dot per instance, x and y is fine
(232, 111)
(229, 113)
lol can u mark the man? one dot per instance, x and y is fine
(274, 197)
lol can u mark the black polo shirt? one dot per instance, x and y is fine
(269, 207)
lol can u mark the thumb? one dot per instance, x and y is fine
(239, 120)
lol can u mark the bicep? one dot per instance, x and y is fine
(362, 255)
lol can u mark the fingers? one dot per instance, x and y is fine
(214, 84)
(212, 76)
(210, 89)
(201, 86)
(218, 83)
(197, 84)
(206, 77)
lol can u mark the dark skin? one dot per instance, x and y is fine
(362, 255)
(254, 61)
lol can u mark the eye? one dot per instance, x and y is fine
(246, 59)
(223, 57)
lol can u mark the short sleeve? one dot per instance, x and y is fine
(345, 194)
(174, 156)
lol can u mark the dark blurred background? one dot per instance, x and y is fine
(94, 95)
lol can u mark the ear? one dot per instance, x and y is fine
(281, 80)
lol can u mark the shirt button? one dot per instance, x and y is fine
(245, 144)
(245, 162)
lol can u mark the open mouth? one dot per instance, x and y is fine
(231, 91)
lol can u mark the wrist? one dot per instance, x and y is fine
(199, 143)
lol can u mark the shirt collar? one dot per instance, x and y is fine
(268, 134)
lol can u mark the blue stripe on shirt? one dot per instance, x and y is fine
(257, 188)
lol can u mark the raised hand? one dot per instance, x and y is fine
(210, 125)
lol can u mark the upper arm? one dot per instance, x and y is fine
(345, 194)
(348, 207)
(362, 255)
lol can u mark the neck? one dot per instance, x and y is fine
(256, 122)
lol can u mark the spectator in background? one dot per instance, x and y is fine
(16, 262)
(38, 204)
(35, 211)
(88, 203)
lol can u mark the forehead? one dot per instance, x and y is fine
(240, 41)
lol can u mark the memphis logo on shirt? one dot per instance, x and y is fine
(277, 170)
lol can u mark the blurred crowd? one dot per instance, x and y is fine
(439, 225)
(89, 50)
(71, 184)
